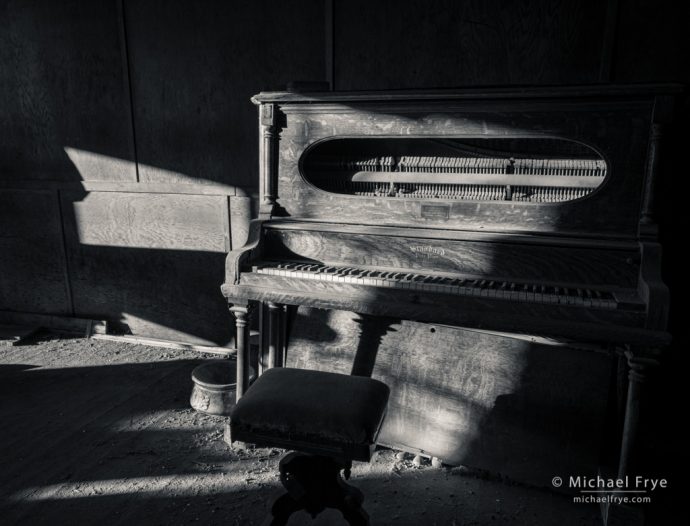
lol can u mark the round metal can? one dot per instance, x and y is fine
(215, 385)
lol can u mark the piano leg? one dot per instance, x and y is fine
(639, 364)
(640, 361)
(242, 314)
(274, 314)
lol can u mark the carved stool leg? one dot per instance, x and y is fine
(281, 509)
(313, 483)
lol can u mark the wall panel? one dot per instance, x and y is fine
(444, 43)
(195, 65)
(151, 263)
(63, 85)
(32, 266)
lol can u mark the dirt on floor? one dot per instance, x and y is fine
(102, 432)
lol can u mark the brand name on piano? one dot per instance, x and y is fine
(427, 250)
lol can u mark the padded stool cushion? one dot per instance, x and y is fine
(312, 411)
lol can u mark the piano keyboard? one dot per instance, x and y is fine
(484, 288)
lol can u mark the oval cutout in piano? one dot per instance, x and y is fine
(539, 170)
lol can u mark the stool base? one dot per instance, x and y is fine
(313, 483)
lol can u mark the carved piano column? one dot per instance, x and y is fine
(648, 225)
(242, 314)
(639, 369)
(267, 160)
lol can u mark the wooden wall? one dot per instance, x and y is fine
(128, 141)
(127, 147)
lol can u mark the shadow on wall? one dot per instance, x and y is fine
(151, 264)
(90, 89)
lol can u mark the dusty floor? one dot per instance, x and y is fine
(101, 432)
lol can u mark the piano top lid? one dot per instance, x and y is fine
(488, 93)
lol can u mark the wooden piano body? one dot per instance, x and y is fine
(525, 211)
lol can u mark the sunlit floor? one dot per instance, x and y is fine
(101, 432)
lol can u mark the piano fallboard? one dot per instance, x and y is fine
(579, 261)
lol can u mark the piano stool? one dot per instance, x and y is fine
(328, 420)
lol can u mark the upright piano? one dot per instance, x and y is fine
(527, 211)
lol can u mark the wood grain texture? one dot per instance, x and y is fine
(523, 409)
(618, 129)
(240, 215)
(194, 66)
(412, 44)
(164, 221)
(63, 86)
(151, 264)
(126, 186)
(491, 260)
(31, 256)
